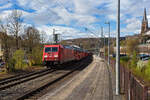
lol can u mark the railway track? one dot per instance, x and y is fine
(32, 86)
(15, 77)
(35, 91)
(23, 78)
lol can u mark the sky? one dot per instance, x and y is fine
(71, 18)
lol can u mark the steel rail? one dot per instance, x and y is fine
(25, 79)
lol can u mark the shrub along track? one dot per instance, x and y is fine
(35, 88)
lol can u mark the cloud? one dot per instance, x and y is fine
(148, 19)
(6, 6)
(133, 26)
(4, 15)
(65, 32)
(81, 13)
(59, 12)
(41, 17)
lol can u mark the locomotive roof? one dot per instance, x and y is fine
(75, 47)
(51, 45)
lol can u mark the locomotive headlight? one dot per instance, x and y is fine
(55, 55)
(45, 56)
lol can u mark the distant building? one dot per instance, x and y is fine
(144, 27)
(144, 35)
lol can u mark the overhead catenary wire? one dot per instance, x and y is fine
(62, 6)
(59, 2)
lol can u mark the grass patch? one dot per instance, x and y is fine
(140, 69)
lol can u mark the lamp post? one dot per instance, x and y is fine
(102, 38)
(118, 51)
(108, 42)
(104, 47)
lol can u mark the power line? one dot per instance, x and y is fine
(59, 2)
(49, 14)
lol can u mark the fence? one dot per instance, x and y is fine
(133, 88)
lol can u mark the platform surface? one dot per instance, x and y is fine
(96, 82)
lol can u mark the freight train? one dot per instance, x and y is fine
(59, 54)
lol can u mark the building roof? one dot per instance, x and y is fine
(145, 16)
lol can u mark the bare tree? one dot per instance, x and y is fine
(132, 46)
(43, 36)
(31, 38)
(15, 25)
(4, 41)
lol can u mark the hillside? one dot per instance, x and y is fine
(87, 43)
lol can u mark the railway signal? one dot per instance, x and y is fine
(55, 37)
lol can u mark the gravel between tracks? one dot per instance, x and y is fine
(24, 87)
(21, 79)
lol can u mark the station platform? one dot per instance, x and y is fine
(95, 82)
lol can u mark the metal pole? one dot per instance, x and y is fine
(54, 35)
(109, 44)
(102, 37)
(118, 51)
(104, 47)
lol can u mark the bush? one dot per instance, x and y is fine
(19, 59)
(140, 65)
(147, 71)
(124, 59)
(31, 61)
(142, 70)
(19, 62)
(134, 60)
(132, 46)
(11, 65)
(37, 56)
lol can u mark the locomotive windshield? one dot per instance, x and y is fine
(51, 49)
(54, 49)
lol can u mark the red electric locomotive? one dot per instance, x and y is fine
(58, 54)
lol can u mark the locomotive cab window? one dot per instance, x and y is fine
(54, 49)
(48, 49)
(51, 49)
